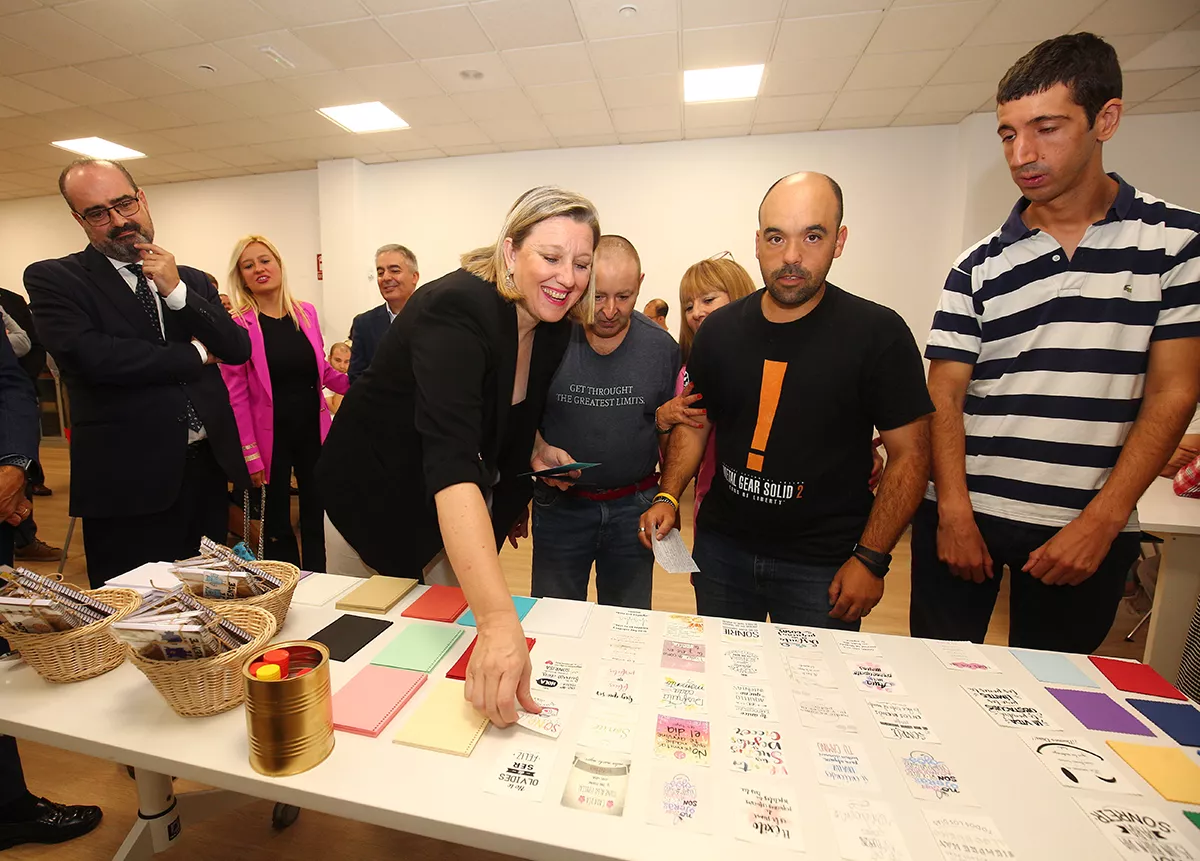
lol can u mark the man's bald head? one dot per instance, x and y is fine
(612, 248)
(806, 180)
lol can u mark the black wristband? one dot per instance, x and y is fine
(874, 561)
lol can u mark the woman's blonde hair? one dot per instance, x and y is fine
(243, 298)
(531, 209)
(721, 273)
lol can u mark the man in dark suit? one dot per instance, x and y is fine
(397, 276)
(24, 818)
(137, 338)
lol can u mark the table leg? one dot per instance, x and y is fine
(1174, 602)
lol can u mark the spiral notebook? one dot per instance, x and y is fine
(444, 722)
(420, 647)
(367, 703)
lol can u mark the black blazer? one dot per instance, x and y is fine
(128, 392)
(366, 332)
(434, 410)
(14, 304)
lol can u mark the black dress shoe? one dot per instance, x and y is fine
(54, 823)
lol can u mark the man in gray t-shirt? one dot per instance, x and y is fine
(616, 372)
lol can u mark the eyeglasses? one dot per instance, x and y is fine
(126, 207)
(722, 255)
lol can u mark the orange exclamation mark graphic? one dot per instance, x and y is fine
(768, 402)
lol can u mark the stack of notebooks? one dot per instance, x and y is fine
(522, 605)
(438, 604)
(368, 702)
(377, 595)
(444, 722)
(346, 635)
(419, 647)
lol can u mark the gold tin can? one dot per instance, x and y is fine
(290, 721)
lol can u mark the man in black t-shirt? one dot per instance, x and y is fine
(794, 378)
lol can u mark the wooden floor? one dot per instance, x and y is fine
(246, 833)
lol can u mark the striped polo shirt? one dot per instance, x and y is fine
(1060, 347)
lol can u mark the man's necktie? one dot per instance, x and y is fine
(150, 305)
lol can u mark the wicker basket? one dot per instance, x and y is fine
(209, 686)
(81, 653)
(277, 602)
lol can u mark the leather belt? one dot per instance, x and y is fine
(617, 492)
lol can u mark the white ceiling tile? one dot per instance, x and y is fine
(988, 106)
(447, 32)
(185, 63)
(134, 75)
(918, 28)
(601, 21)
(8, 112)
(143, 115)
(353, 43)
(654, 119)
(588, 140)
(527, 23)
(831, 36)
(1126, 17)
(1192, 23)
(1173, 106)
(57, 36)
(301, 58)
(402, 140)
(707, 132)
(980, 63)
(567, 98)
(219, 19)
(495, 104)
(303, 13)
(876, 122)
(719, 13)
(1139, 86)
(716, 114)
(555, 64)
(225, 172)
(74, 86)
(10, 160)
(458, 134)
(132, 24)
(395, 81)
(389, 7)
(81, 122)
(1187, 89)
(472, 149)
(948, 118)
(429, 111)
(446, 72)
(198, 106)
(261, 98)
(1029, 21)
(319, 149)
(529, 145)
(16, 58)
(35, 129)
(649, 137)
(509, 129)
(789, 76)
(151, 143)
(1172, 51)
(635, 56)
(939, 98)
(643, 92)
(871, 103)
(910, 69)
(376, 158)
(816, 8)
(194, 161)
(325, 89)
(43, 154)
(579, 124)
(10, 7)
(306, 125)
(741, 45)
(791, 109)
(28, 100)
(418, 155)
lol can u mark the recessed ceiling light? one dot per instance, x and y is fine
(627, 11)
(719, 85)
(277, 57)
(98, 148)
(367, 117)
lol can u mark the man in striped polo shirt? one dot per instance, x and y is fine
(1065, 364)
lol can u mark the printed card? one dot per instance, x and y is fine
(752, 701)
(825, 711)
(843, 764)
(808, 669)
(683, 656)
(1009, 707)
(682, 740)
(874, 677)
(745, 633)
(850, 643)
(1075, 763)
(866, 829)
(627, 621)
(607, 730)
(901, 721)
(956, 655)
(672, 554)
(757, 751)
(793, 637)
(683, 627)
(618, 685)
(680, 799)
(597, 784)
(626, 649)
(931, 778)
(966, 836)
(742, 663)
(1139, 833)
(547, 722)
(683, 694)
(767, 816)
(521, 772)
(562, 677)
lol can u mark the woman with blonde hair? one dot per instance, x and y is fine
(429, 448)
(277, 397)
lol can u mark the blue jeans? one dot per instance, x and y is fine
(570, 533)
(735, 583)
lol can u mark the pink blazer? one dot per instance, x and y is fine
(250, 389)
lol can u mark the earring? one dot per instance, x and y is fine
(508, 279)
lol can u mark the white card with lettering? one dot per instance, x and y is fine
(875, 677)
(681, 626)
(823, 711)
(608, 730)
(795, 637)
(680, 798)
(1076, 763)
(757, 751)
(521, 771)
(743, 663)
(626, 649)
(843, 764)
(683, 694)
(767, 816)
(673, 555)
(966, 836)
(956, 655)
(752, 701)
(1139, 833)
(561, 677)
(549, 721)
(618, 685)
(626, 621)
(901, 721)
(1009, 707)
(866, 829)
(931, 778)
(850, 643)
(808, 669)
(743, 633)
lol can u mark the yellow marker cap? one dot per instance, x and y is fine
(268, 673)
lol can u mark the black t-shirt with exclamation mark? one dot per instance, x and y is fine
(794, 407)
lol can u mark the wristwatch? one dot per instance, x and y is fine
(874, 561)
(27, 465)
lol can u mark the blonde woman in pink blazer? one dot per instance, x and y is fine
(277, 399)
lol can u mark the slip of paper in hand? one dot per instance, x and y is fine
(672, 554)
